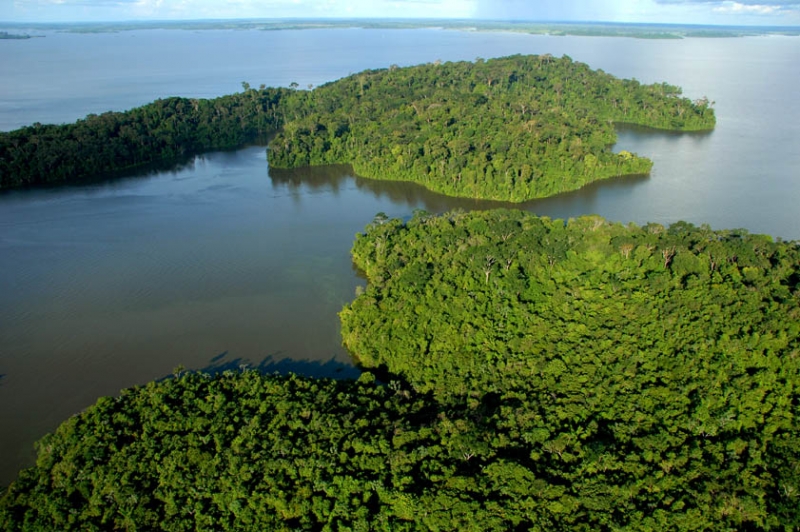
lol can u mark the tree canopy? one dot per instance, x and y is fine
(513, 129)
(243, 451)
(653, 370)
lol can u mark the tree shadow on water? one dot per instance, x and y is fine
(2, 376)
(273, 363)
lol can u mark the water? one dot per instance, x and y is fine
(223, 262)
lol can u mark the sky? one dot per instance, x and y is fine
(722, 12)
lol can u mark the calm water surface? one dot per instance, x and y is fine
(223, 262)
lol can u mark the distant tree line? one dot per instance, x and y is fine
(7, 35)
(509, 129)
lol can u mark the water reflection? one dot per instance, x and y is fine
(589, 199)
(623, 129)
(337, 178)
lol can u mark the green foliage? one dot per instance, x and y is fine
(235, 452)
(651, 374)
(165, 130)
(243, 451)
(512, 129)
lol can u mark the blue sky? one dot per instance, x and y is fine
(735, 12)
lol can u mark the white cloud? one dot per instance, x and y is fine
(735, 8)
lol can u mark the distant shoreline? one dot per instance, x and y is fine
(587, 29)
(4, 35)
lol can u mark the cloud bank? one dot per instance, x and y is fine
(747, 7)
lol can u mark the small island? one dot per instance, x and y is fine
(510, 129)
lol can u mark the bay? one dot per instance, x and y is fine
(222, 262)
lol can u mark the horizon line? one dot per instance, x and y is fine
(418, 20)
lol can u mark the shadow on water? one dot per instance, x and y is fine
(2, 376)
(275, 364)
(317, 178)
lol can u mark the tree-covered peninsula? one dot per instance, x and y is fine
(512, 129)
(509, 129)
(163, 131)
(539, 375)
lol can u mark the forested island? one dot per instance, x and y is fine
(537, 374)
(510, 129)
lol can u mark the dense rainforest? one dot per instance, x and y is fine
(538, 374)
(653, 370)
(510, 129)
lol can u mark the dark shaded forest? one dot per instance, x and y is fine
(113, 142)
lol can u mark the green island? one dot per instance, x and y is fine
(511, 129)
(537, 374)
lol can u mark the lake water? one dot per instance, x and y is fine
(222, 262)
